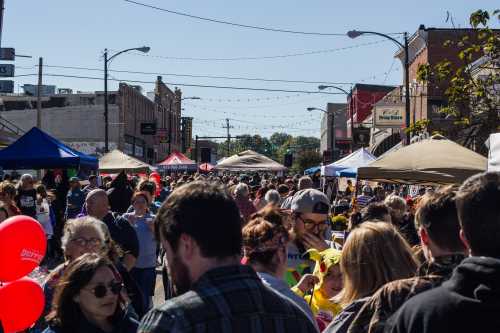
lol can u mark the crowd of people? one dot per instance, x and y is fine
(259, 253)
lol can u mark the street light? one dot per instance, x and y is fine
(328, 114)
(194, 97)
(318, 109)
(323, 87)
(144, 49)
(355, 34)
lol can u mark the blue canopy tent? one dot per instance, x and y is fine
(348, 173)
(349, 164)
(38, 150)
(312, 171)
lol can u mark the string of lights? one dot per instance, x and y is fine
(250, 115)
(191, 84)
(269, 57)
(218, 77)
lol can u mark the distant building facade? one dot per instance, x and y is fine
(334, 129)
(78, 119)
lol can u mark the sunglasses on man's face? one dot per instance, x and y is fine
(101, 290)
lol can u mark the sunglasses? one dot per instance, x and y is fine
(83, 242)
(101, 290)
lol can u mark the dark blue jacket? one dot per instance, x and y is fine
(128, 324)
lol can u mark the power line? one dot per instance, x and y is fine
(197, 76)
(191, 85)
(237, 24)
(280, 56)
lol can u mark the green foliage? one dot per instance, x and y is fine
(418, 127)
(473, 100)
(305, 149)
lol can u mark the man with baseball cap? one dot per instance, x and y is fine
(309, 209)
(75, 198)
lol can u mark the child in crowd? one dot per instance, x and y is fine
(325, 282)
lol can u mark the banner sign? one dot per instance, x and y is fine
(390, 115)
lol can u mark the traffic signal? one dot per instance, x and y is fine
(288, 160)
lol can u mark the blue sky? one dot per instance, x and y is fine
(75, 33)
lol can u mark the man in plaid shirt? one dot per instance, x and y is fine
(200, 229)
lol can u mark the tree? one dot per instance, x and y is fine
(305, 159)
(473, 100)
(305, 149)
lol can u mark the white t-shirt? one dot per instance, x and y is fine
(43, 216)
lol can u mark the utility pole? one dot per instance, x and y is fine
(407, 88)
(1, 19)
(170, 126)
(228, 135)
(39, 95)
(106, 125)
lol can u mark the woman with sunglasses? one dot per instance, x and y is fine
(81, 236)
(144, 272)
(89, 299)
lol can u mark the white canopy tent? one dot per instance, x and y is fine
(116, 161)
(494, 154)
(353, 161)
(249, 160)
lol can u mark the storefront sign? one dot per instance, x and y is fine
(390, 115)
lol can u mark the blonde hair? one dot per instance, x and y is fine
(373, 255)
(396, 204)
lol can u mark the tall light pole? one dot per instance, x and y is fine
(323, 87)
(144, 49)
(332, 128)
(355, 34)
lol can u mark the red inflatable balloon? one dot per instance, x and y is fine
(156, 178)
(22, 247)
(21, 304)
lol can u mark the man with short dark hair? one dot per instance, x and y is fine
(438, 228)
(200, 229)
(75, 198)
(91, 186)
(376, 211)
(469, 301)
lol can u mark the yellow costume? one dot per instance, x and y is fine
(323, 308)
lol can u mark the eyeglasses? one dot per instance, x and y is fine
(84, 242)
(313, 225)
(101, 290)
(138, 201)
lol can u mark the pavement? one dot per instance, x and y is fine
(159, 297)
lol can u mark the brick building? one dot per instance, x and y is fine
(78, 119)
(169, 117)
(426, 46)
(359, 108)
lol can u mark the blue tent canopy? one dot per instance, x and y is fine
(348, 173)
(312, 171)
(38, 150)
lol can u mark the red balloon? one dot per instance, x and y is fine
(21, 304)
(156, 178)
(22, 247)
